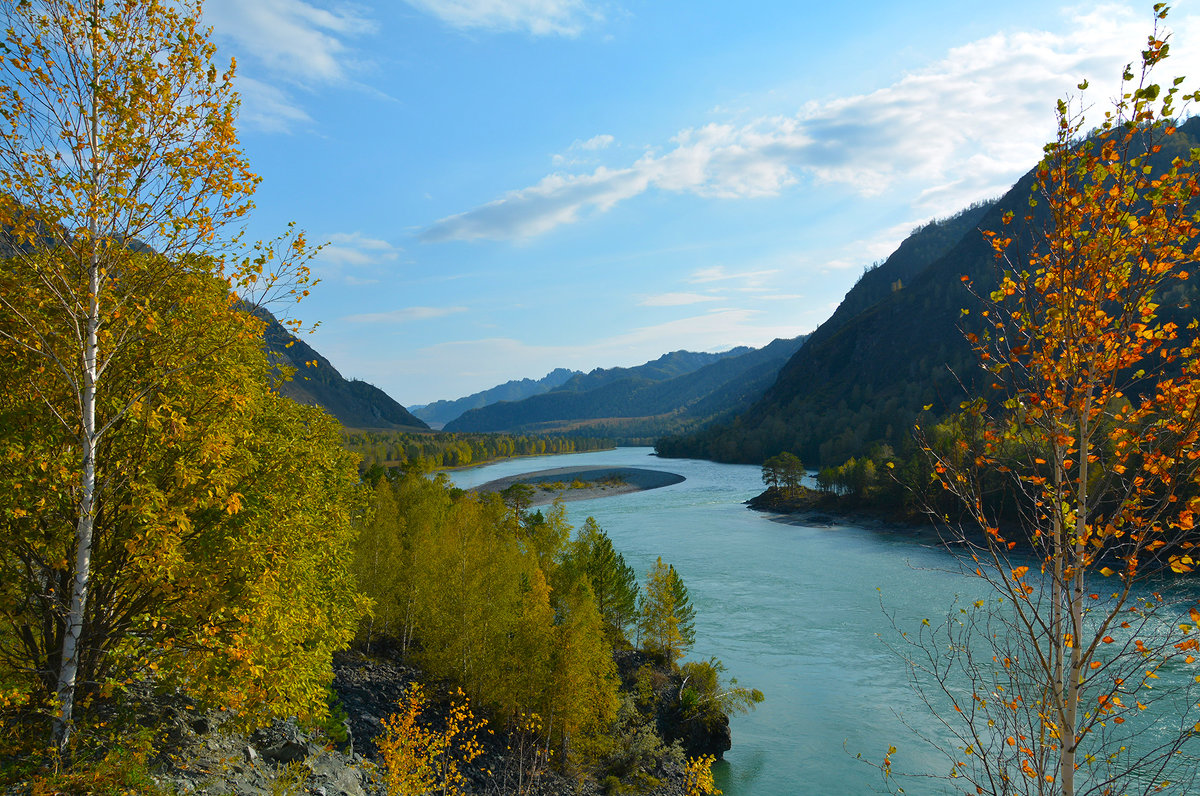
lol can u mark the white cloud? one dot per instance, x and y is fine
(676, 299)
(593, 143)
(963, 129)
(404, 315)
(717, 273)
(557, 199)
(354, 248)
(780, 297)
(355, 258)
(288, 42)
(267, 107)
(538, 17)
(572, 158)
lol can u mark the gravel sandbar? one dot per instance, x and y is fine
(621, 481)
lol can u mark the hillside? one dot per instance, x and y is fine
(439, 413)
(356, 404)
(894, 346)
(676, 392)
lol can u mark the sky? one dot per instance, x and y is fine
(509, 186)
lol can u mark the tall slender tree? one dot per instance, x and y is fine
(666, 619)
(1058, 685)
(117, 136)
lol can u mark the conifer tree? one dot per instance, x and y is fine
(613, 582)
(586, 697)
(666, 619)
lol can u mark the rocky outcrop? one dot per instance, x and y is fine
(205, 754)
(210, 756)
(698, 733)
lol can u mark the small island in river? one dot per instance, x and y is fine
(583, 483)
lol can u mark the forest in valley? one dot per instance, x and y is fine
(434, 450)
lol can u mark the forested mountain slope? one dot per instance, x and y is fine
(678, 391)
(438, 413)
(356, 404)
(894, 346)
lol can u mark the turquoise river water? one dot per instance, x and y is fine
(795, 611)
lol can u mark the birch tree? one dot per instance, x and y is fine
(117, 136)
(1076, 675)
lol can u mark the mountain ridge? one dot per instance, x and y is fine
(678, 390)
(868, 372)
(438, 413)
(356, 404)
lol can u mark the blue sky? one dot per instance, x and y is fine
(510, 186)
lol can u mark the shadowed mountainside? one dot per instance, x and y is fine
(895, 345)
(439, 413)
(356, 404)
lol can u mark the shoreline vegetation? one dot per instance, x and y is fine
(581, 483)
(816, 509)
(544, 626)
(384, 449)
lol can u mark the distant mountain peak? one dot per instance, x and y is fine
(678, 390)
(439, 413)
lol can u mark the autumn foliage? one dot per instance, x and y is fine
(419, 758)
(1095, 438)
(497, 602)
(163, 514)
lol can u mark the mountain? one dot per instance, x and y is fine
(439, 413)
(894, 346)
(678, 391)
(356, 404)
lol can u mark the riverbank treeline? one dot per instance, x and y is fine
(545, 628)
(432, 450)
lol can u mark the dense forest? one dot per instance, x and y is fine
(433, 450)
(530, 618)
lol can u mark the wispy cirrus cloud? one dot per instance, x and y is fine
(964, 128)
(404, 315)
(718, 273)
(268, 108)
(283, 45)
(355, 258)
(355, 248)
(537, 17)
(581, 151)
(557, 199)
(676, 299)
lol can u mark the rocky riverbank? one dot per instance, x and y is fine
(205, 754)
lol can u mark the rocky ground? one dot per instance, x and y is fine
(204, 754)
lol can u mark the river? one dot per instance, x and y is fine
(796, 611)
